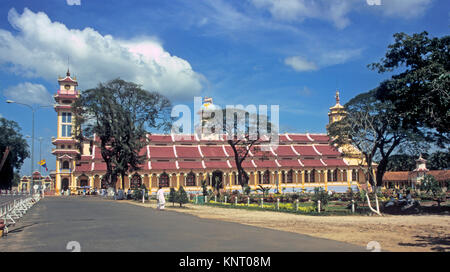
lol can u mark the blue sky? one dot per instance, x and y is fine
(292, 53)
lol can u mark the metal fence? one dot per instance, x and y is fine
(14, 206)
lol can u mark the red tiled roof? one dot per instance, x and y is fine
(289, 163)
(190, 165)
(327, 150)
(245, 164)
(187, 151)
(334, 162)
(217, 164)
(305, 150)
(213, 151)
(161, 152)
(163, 165)
(160, 138)
(284, 150)
(85, 167)
(396, 176)
(440, 175)
(99, 166)
(320, 138)
(312, 163)
(299, 138)
(267, 164)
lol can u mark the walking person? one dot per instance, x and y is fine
(160, 198)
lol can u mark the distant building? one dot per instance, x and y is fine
(300, 161)
(401, 179)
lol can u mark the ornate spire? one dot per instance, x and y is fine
(337, 97)
(68, 72)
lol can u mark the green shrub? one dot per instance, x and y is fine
(172, 196)
(181, 196)
(322, 195)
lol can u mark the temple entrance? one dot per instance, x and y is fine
(65, 184)
(217, 179)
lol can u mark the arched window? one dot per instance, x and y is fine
(283, 178)
(190, 179)
(290, 176)
(344, 175)
(164, 180)
(329, 176)
(307, 174)
(266, 177)
(136, 181)
(65, 165)
(104, 183)
(354, 175)
(259, 178)
(335, 174)
(313, 176)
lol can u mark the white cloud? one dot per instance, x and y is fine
(73, 2)
(41, 47)
(299, 10)
(405, 8)
(320, 60)
(333, 57)
(29, 93)
(337, 11)
(300, 64)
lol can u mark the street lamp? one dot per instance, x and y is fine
(33, 110)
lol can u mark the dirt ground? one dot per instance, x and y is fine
(393, 233)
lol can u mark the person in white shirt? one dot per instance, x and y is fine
(160, 198)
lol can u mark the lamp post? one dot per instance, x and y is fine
(33, 110)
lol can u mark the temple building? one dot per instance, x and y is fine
(412, 179)
(300, 161)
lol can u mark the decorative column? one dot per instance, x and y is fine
(91, 181)
(302, 173)
(279, 181)
(178, 181)
(230, 175)
(325, 176)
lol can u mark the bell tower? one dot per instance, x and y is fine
(65, 145)
(337, 112)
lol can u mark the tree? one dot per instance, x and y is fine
(181, 196)
(420, 92)
(439, 160)
(119, 113)
(245, 131)
(172, 196)
(401, 162)
(376, 131)
(432, 187)
(11, 139)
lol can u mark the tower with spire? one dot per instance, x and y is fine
(65, 145)
(337, 112)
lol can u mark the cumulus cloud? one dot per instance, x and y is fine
(29, 93)
(40, 48)
(300, 64)
(337, 11)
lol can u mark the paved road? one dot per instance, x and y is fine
(104, 225)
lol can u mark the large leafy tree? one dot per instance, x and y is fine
(373, 127)
(419, 89)
(120, 113)
(13, 151)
